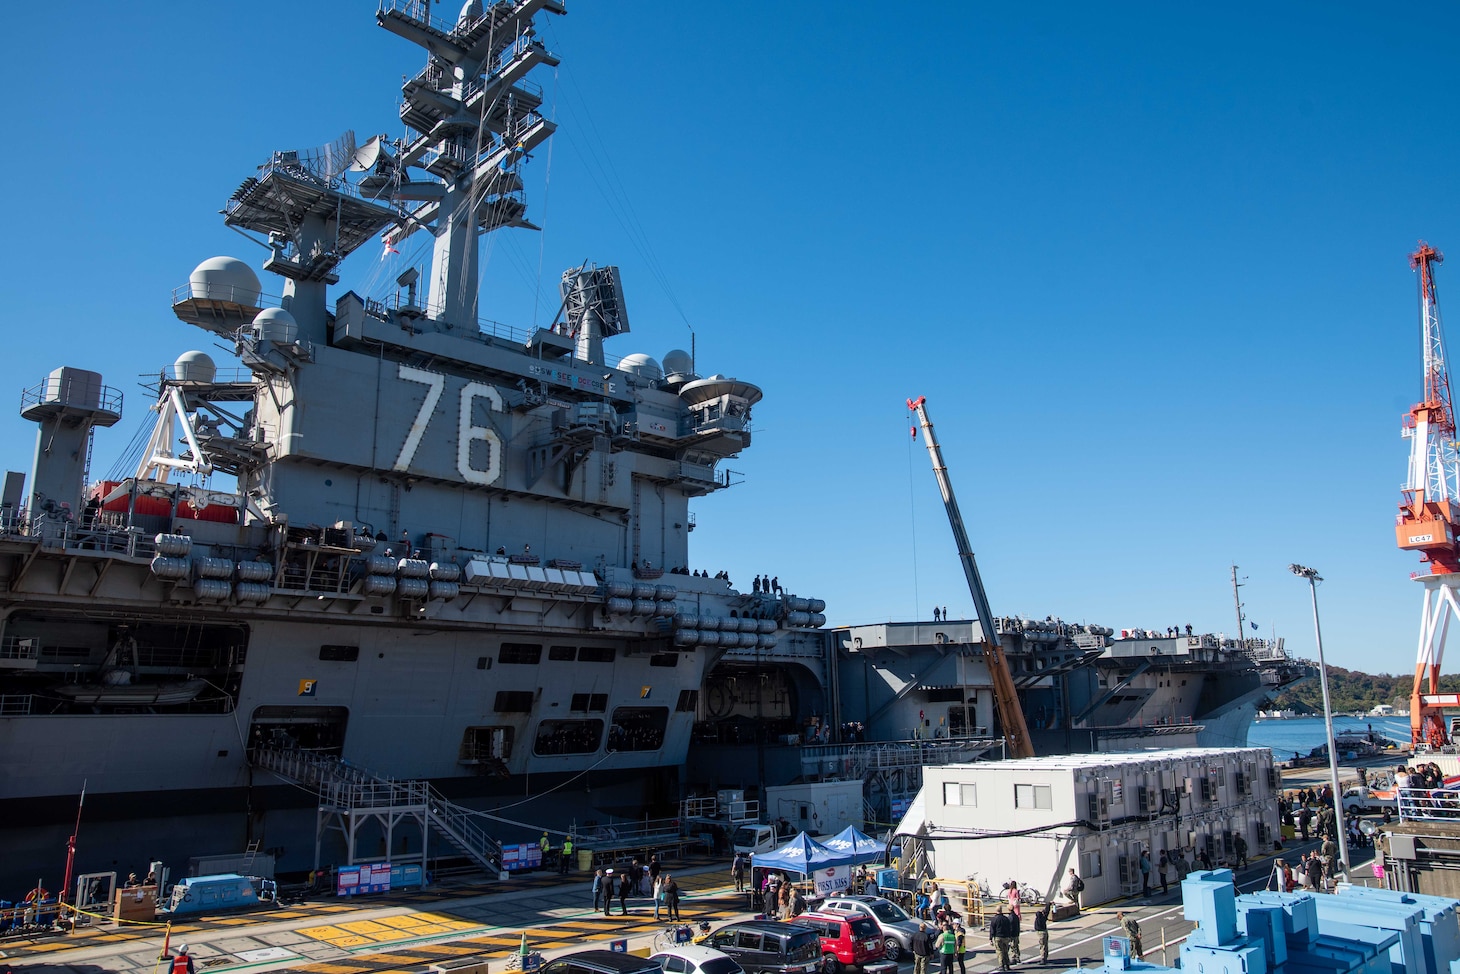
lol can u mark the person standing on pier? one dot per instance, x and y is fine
(597, 889)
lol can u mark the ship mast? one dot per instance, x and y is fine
(475, 122)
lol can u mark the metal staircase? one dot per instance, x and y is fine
(350, 795)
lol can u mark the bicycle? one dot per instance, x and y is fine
(1029, 896)
(531, 961)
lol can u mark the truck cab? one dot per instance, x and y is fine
(754, 839)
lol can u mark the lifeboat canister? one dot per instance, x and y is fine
(619, 606)
(687, 637)
(251, 592)
(173, 545)
(212, 589)
(413, 588)
(445, 591)
(379, 585)
(170, 567)
(254, 571)
(665, 593)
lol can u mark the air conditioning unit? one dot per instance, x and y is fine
(1143, 800)
(1272, 779)
(1210, 842)
(1226, 843)
(1240, 781)
(1264, 834)
(1097, 810)
(1127, 871)
(1206, 789)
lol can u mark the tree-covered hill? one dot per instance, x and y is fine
(1352, 691)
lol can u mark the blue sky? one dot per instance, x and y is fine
(1146, 261)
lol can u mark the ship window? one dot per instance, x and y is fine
(596, 654)
(946, 695)
(484, 662)
(339, 654)
(65, 652)
(689, 702)
(1033, 796)
(567, 737)
(664, 659)
(528, 653)
(589, 703)
(563, 654)
(514, 702)
(638, 728)
(482, 745)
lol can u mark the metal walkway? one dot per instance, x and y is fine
(349, 796)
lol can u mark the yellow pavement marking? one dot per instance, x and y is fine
(362, 926)
(320, 933)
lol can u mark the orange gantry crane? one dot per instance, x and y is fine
(1430, 510)
(1006, 698)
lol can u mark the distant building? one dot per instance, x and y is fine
(1031, 820)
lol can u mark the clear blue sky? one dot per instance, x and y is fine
(1146, 261)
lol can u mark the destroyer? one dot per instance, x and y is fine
(399, 535)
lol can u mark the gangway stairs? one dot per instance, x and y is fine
(350, 797)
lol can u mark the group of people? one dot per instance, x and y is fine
(778, 898)
(949, 943)
(766, 584)
(1314, 872)
(1307, 810)
(630, 881)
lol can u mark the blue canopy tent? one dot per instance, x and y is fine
(802, 854)
(855, 846)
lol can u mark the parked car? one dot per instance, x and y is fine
(896, 925)
(601, 962)
(696, 959)
(847, 939)
(769, 946)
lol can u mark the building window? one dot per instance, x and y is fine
(527, 653)
(1033, 796)
(514, 702)
(563, 654)
(1091, 863)
(958, 794)
(595, 654)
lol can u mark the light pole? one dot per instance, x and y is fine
(1311, 574)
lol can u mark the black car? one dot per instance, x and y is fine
(770, 947)
(601, 962)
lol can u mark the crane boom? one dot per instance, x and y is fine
(1006, 698)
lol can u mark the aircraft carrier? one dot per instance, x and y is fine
(398, 549)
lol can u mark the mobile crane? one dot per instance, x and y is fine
(1006, 698)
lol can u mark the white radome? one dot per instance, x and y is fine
(225, 279)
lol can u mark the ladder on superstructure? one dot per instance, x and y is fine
(349, 796)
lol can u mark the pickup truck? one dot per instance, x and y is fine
(1362, 799)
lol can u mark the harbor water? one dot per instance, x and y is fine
(1296, 736)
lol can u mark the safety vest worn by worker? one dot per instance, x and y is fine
(182, 964)
(567, 847)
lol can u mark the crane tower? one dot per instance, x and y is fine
(1430, 509)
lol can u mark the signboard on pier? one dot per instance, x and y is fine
(368, 878)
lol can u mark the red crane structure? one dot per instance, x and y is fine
(1430, 510)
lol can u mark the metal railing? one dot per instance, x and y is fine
(20, 648)
(1429, 804)
(15, 704)
(71, 390)
(347, 788)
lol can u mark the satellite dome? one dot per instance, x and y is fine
(641, 365)
(225, 279)
(678, 362)
(275, 325)
(470, 11)
(194, 367)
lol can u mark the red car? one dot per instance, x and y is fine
(847, 939)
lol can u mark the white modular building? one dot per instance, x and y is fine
(1032, 819)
